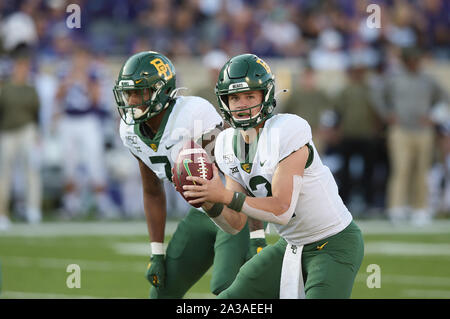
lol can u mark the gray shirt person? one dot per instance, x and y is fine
(406, 98)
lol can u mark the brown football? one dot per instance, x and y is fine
(192, 161)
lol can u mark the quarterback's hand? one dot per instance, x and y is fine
(205, 190)
(256, 245)
(156, 271)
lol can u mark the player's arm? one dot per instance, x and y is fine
(154, 203)
(286, 185)
(155, 215)
(256, 227)
(278, 208)
(226, 219)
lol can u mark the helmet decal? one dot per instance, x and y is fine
(264, 64)
(162, 68)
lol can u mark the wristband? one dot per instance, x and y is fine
(215, 211)
(257, 234)
(157, 248)
(237, 202)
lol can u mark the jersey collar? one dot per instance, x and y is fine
(244, 152)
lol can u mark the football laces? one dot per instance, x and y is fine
(203, 169)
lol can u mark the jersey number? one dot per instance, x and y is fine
(259, 180)
(163, 160)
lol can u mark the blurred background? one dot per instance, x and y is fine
(336, 67)
(377, 99)
(355, 85)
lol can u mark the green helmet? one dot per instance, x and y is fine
(246, 72)
(149, 78)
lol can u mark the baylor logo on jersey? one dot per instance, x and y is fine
(247, 167)
(154, 147)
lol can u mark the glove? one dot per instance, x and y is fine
(156, 271)
(256, 245)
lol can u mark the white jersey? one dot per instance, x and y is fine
(320, 212)
(189, 118)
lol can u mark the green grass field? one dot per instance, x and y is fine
(413, 262)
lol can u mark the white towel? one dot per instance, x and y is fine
(291, 285)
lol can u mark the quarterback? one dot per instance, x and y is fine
(274, 174)
(155, 125)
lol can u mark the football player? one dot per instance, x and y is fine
(274, 174)
(155, 125)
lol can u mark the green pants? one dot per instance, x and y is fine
(328, 272)
(196, 245)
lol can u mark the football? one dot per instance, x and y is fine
(192, 160)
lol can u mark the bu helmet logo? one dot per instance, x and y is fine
(162, 68)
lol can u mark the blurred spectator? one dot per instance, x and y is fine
(19, 113)
(408, 99)
(324, 33)
(369, 35)
(154, 23)
(329, 54)
(185, 31)
(361, 53)
(81, 135)
(439, 177)
(360, 129)
(125, 176)
(435, 23)
(308, 101)
(270, 28)
(19, 27)
(239, 32)
(330, 136)
(280, 31)
(401, 31)
(213, 61)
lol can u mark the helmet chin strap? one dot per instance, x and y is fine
(173, 94)
(175, 91)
